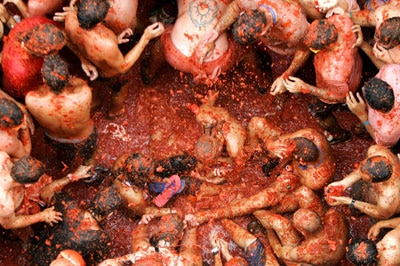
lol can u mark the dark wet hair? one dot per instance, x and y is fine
(362, 252)
(388, 33)
(174, 165)
(137, 169)
(305, 150)
(27, 170)
(92, 12)
(55, 73)
(11, 114)
(169, 229)
(379, 95)
(43, 39)
(378, 168)
(320, 34)
(248, 26)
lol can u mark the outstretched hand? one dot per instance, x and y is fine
(82, 172)
(206, 46)
(357, 105)
(278, 86)
(60, 16)
(153, 31)
(123, 37)
(51, 216)
(360, 37)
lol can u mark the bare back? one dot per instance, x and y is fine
(98, 45)
(66, 115)
(195, 19)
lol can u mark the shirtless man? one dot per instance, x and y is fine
(338, 70)
(279, 25)
(122, 15)
(62, 107)
(310, 238)
(380, 189)
(170, 233)
(15, 134)
(226, 129)
(294, 187)
(380, 112)
(99, 45)
(16, 204)
(384, 252)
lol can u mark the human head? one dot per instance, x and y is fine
(55, 73)
(27, 170)
(92, 12)
(306, 150)
(43, 39)
(68, 257)
(377, 168)
(137, 168)
(306, 221)
(362, 252)
(168, 231)
(320, 34)
(379, 95)
(388, 34)
(249, 26)
(11, 115)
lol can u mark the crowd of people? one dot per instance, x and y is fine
(298, 216)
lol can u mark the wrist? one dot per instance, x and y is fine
(366, 122)
(215, 251)
(352, 203)
(70, 177)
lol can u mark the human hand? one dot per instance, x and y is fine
(374, 231)
(81, 172)
(213, 237)
(90, 70)
(51, 216)
(281, 148)
(72, 3)
(123, 37)
(278, 86)
(146, 218)
(153, 31)
(334, 11)
(357, 106)
(191, 220)
(295, 85)
(333, 190)
(360, 37)
(60, 16)
(381, 53)
(336, 201)
(206, 46)
(4, 15)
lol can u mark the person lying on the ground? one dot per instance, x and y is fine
(159, 247)
(310, 238)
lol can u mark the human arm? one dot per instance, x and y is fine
(151, 32)
(21, 6)
(48, 215)
(123, 36)
(375, 229)
(47, 192)
(6, 18)
(336, 189)
(298, 61)
(383, 55)
(366, 47)
(358, 107)
(364, 18)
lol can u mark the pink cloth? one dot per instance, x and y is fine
(387, 125)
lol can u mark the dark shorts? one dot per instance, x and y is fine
(68, 151)
(115, 83)
(320, 109)
(255, 253)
